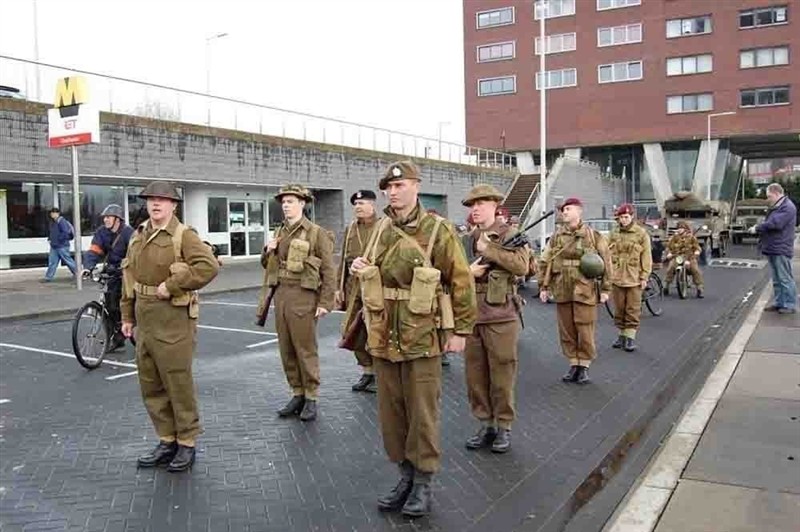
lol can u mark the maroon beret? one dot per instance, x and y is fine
(570, 201)
(625, 208)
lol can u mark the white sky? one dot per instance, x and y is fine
(396, 64)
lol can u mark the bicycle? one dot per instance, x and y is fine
(93, 329)
(652, 296)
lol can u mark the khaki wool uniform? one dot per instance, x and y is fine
(297, 296)
(686, 245)
(490, 357)
(406, 345)
(631, 263)
(165, 331)
(355, 243)
(576, 296)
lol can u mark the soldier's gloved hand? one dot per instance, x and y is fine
(320, 312)
(603, 297)
(477, 269)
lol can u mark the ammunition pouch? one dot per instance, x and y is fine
(424, 283)
(310, 277)
(499, 287)
(445, 319)
(371, 288)
(298, 252)
(194, 306)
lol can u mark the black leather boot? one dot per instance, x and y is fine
(418, 503)
(582, 376)
(629, 346)
(309, 412)
(183, 459)
(700, 293)
(363, 382)
(502, 443)
(372, 387)
(163, 453)
(619, 342)
(293, 407)
(396, 498)
(445, 360)
(483, 438)
(571, 374)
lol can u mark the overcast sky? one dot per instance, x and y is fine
(396, 64)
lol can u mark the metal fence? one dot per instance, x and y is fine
(128, 96)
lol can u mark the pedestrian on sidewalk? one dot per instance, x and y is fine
(61, 232)
(776, 242)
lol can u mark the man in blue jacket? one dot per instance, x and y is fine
(61, 232)
(776, 241)
(110, 243)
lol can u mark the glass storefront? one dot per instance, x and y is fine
(93, 199)
(137, 207)
(240, 223)
(27, 206)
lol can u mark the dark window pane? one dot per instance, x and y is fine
(26, 209)
(765, 97)
(93, 199)
(217, 215)
(748, 98)
(746, 20)
(782, 95)
(764, 17)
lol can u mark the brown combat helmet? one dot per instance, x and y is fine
(295, 189)
(399, 170)
(484, 192)
(161, 189)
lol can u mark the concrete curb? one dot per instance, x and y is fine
(641, 510)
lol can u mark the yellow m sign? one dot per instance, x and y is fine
(71, 91)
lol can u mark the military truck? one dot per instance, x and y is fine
(710, 221)
(746, 214)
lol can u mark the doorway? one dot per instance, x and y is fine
(246, 226)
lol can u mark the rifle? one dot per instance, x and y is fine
(520, 239)
(261, 319)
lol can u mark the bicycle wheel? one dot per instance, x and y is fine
(90, 335)
(653, 294)
(680, 282)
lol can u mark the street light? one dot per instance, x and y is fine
(440, 136)
(542, 5)
(708, 150)
(209, 40)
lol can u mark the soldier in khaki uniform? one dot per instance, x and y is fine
(631, 264)
(684, 243)
(300, 273)
(490, 358)
(420, 299)
(166, 263)
(573, 247)
(355, 242)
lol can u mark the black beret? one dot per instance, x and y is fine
(362, 194)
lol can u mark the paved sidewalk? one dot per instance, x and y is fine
(22, 294)
(733, 461)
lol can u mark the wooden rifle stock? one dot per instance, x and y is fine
(261, 319)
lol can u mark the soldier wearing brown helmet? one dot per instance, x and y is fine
(356, 237)
(490, 358)
(299, 266)
(165, 265)
(684, 243)
(419, 298)
(632, 262)
(573, 259)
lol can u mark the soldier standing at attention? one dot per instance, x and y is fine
(419, 295)
(165, 265)
(299, 267)
(355, 242)
(490, 358)
(573, 259)
(632, 262)
(684, 243)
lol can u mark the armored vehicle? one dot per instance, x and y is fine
(710, 221)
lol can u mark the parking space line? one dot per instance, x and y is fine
(60, 354)
(213, 328)
(259, 344)
(251, 305)
(4, 401)
(115, 377)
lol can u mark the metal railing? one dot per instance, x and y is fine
(128, 96)
(523, 215)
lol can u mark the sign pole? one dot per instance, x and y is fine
(76, 218)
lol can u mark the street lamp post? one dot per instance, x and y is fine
(208, 72)
(708, 150)
(542, 6)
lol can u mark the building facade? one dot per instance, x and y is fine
(630, 84)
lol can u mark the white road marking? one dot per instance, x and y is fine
(4, 401)
(259, 344)
(236, 330)
(251, 305)
(67, 355)
(115, 377)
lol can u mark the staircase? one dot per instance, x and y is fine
(518, 196)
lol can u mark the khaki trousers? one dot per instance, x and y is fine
(408, 410)
(627, 309)
(165, 342)
(693, 270)
(576, 323)
(364, 360)
(296, 325)
(490, 360)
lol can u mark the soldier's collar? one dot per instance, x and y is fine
(170, 228)
(412, 220)
(369, 221)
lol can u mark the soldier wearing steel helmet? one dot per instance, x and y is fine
(631, 264)
(574, 258)
(165, 265)
(110, 245)
(490, 357)
(301, 275)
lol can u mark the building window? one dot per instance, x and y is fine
(615, 4)
(27, 209)
(217, 215)
(554, 8)
(495, 17)
(557, 79)
(764, 57)
(693, 64)
(494, 86)
(768, 16)
(682, 27)
(496, 52)
(764, 97)
(137, 207)
(628, 34)
(627, 71)
(93, 199)
(690, 103)
(564, 42)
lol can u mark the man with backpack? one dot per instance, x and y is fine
(61, 232)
